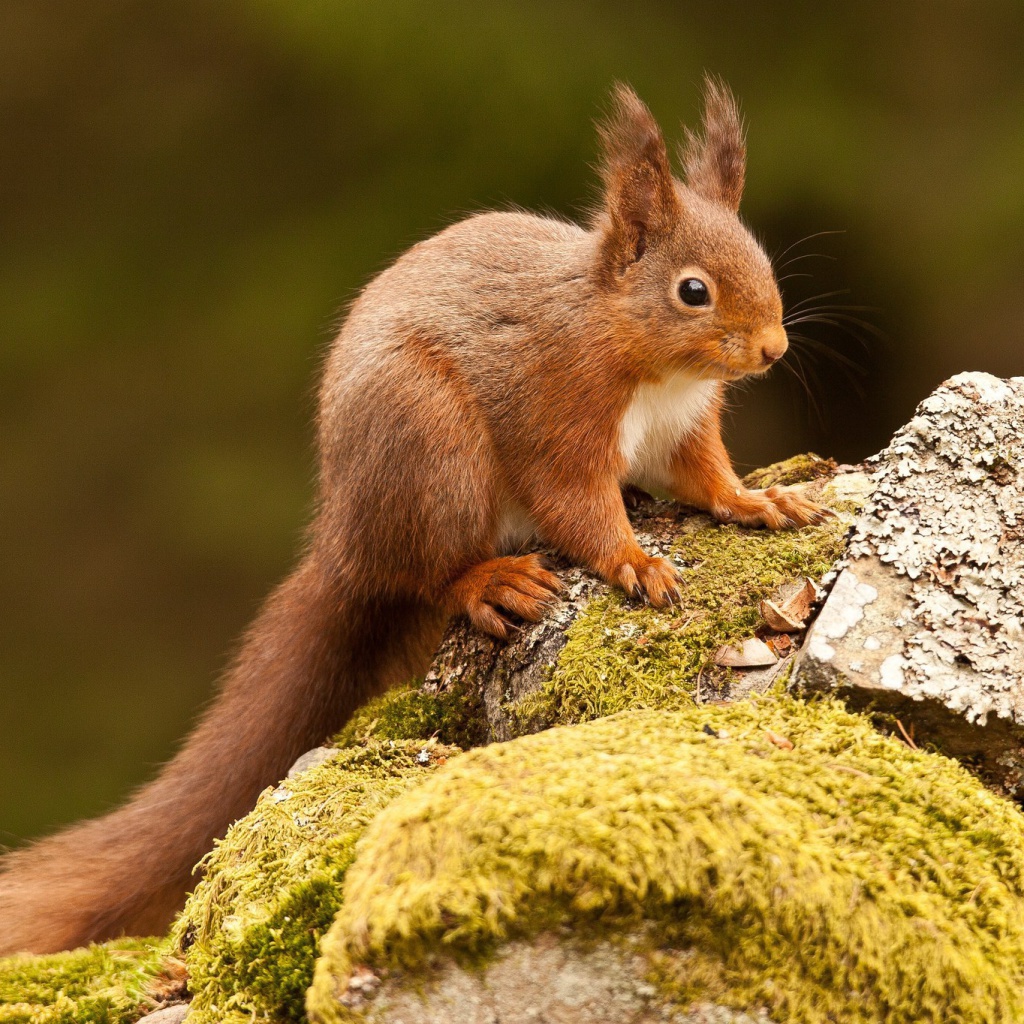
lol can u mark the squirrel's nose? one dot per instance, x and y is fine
(773, 343)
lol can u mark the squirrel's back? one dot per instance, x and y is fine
(481, 274)
(482, 312)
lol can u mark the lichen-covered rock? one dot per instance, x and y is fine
(272, 886)
(926, 621)
(765, 855)
(109, 984)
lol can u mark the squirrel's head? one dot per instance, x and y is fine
(682, 276)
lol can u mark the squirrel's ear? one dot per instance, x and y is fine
(715, 160)
(639, 195)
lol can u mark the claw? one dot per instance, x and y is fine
(497, 593)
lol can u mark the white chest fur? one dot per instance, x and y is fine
(657, 418)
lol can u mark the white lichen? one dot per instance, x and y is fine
(941, 540)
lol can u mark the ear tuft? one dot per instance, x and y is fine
(640, 196)
(715, 160)
(629, 133)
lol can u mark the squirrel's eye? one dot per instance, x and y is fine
(694, 292)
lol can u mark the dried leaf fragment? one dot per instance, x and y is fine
(782, 742)
(749, 653)
(171, 984)
(778, 620)
(800, 603)
(789, 608)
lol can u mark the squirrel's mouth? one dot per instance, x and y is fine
(728, 372)
(742, 356)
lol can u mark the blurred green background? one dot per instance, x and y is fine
(191, 190)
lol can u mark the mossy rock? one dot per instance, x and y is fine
(796, 470)
(112, 983)
(620, 655)
(730, 873)
(409, 712)
(273, 885)
(600, 652)
(249, 931)
(772, 854)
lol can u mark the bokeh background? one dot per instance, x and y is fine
(190, 191)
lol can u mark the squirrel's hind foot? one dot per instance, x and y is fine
(497, 591)
(777, 508)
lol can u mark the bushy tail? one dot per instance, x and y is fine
(310, 658)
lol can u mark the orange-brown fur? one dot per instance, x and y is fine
(492, 377)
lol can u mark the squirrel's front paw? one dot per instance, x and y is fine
(657, 579)
(776, 508)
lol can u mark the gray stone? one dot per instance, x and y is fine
(546, 981)
(312, 758)
(926, 619)
(168, 1015)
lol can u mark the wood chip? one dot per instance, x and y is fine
(750, 653)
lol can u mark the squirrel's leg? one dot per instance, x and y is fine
(633, 496)
(422, 528)
(702, 475)
(588, 523)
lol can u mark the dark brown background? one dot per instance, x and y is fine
(190, 190)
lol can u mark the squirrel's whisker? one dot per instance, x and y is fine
(809, 238)
(815, 298)
(796, 368)
(813, 347)
(807, 256)
(842, 321)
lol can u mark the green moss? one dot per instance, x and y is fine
(411, 713)
(849, 878)
(797, 470)
(621, 656)
(272, 886)
(104, 984)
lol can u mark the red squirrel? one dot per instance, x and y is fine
(503, 380)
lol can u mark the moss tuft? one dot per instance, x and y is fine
(848, 878)
(620, 656)
(412, 713)
(105, 984)
(797, 470)
(273, 884)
